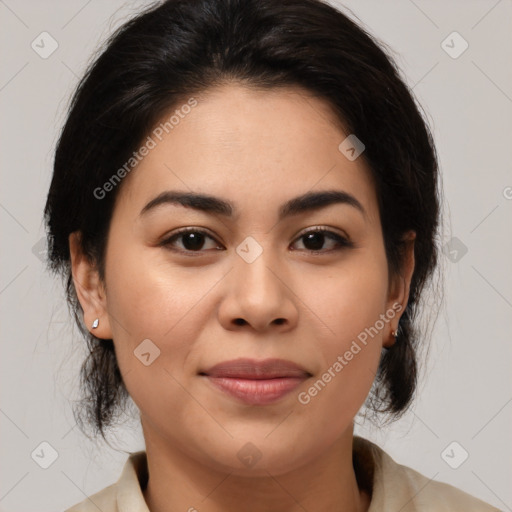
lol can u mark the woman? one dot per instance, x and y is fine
(245, 205)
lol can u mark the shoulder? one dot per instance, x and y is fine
(430, 495)
(125, 494)
(104, 500)
(398, 487)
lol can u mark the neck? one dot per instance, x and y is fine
(178, 481)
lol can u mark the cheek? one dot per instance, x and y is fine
(155, 313)
(347, 298)
(150, 299)
(351, 306)
(350, 302)
(149, 294)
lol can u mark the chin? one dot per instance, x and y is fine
(256, 455)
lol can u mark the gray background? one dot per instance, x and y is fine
(466, 394)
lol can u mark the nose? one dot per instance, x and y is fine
(258, 295)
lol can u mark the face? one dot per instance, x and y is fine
(308, 285)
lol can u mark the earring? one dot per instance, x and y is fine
(95, 323)
(394, 333)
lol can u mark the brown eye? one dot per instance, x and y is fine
(191, 239)
(315, 239)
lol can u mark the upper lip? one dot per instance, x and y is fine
(245, 368)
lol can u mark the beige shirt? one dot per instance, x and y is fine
(393, 487)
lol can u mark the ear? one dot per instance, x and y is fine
(399, 286)
(89, 289)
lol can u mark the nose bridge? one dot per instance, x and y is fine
(253, 264)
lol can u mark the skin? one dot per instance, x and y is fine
(260, 149)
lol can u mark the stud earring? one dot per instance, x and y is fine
(95, 323)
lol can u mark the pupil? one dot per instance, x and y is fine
(315, 239)
(193, 241)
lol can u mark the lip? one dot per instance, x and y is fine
(256, 382)
(245, 368)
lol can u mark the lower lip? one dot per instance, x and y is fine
(257, 391)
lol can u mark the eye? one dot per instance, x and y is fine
(192, 240)
(195, 239)
(315, 238)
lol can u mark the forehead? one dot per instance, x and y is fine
(249, 146)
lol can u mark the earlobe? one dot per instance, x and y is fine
(400, 285)
(89, 289)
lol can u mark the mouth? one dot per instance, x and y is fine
(256, 382)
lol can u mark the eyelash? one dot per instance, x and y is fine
(342, 242)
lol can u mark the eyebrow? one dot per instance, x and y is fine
(310, 201)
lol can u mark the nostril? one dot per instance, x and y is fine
(241, 321)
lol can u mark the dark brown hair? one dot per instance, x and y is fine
(181, 47)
